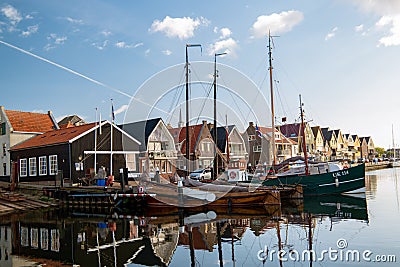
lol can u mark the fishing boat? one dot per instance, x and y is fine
(206, 194)
(161, 195)
(329, 182)
(394, 162)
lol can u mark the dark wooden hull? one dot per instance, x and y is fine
(169, 195)
(336, 182)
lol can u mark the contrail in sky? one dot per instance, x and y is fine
(65, 68)
(80, 75)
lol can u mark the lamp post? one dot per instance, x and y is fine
(215, 169)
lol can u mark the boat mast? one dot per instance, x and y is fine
(394, 150)
(303, 137)
(187, 107)
(272, 99)
(215, 169)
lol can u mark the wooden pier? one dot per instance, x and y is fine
(12, 202)
(94, 198)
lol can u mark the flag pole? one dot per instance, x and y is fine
(111, 134)
(95, 144)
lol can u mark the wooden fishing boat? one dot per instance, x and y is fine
(335, 182)
(228, 196)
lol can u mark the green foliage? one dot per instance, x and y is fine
(380, 151)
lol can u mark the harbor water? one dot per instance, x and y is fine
(352, 230)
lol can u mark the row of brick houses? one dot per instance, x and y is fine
(36, 147)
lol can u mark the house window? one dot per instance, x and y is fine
(32, 166)
(130, 162)
(256, 148)
(22, 168)
(53, 164)
(252, 137)
(42, 165)
(4, 168)
(4, 150)
(3, 128)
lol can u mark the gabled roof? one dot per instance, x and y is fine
(179, 135)
(221, 136)
(73, 120)
(32, 122)
(290, 130)
(63, 136)
(141, 130)
(315, 131)
(328, 134)
(55, 137)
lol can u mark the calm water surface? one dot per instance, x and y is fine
(333, 231)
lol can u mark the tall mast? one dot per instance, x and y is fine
(215, 169)
(303, 134)
(187, 107)
(272, 99)
(394, 149)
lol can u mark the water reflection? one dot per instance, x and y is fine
(207, 237)
(176, 237)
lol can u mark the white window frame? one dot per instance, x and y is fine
(23, 168)
(42, 165)
(32, 167)
(257, 148)
(53, 164)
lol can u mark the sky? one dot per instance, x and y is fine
(72, 57)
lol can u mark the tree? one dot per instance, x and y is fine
(379, 151)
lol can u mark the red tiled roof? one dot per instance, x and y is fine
(194, 132)
(29, 121)
(54, 137)
(179, 135)
(283, 139)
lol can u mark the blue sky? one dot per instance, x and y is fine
(73, 56)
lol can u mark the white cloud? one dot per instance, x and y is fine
(60, 40)
(147, 52)
(125, 45)
(12, 14)
(393, 23)
(183, 28)
(101, 46)
(48, 47)
(167, 52)
(331, 34)
(276, 23)
(380, 7)
(359, 28)
(225, 33)
(137, 45)
(228, 46)
(54, 40)
(106, 33)
(28, 17)
(31, 30)
(123, 108)
(75, 21)
(389, 22)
